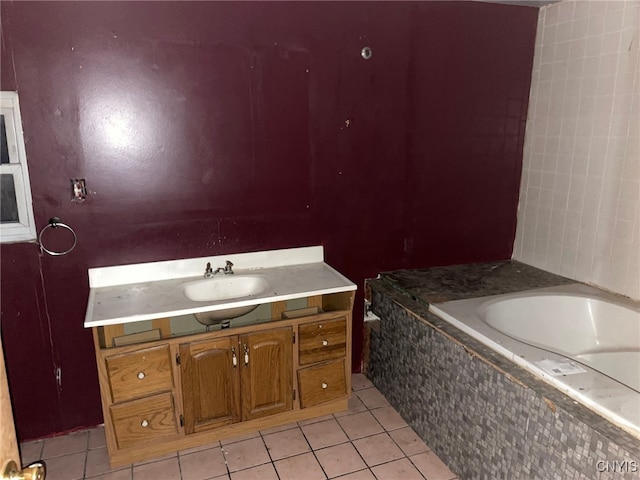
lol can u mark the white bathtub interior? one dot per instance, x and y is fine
(595, 332)
(590, 342)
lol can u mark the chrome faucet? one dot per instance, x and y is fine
(208, 271)
(227, 269)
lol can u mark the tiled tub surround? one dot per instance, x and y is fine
(483, 415)
(579, 210)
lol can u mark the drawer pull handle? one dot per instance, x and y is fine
(325, 343)
(141, 375)
(246, 355)
(144, 424)
(324, 385)
(234, 359)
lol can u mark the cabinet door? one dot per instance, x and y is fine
(210, 383)
(267, 372)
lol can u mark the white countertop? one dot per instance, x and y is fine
(133, 293)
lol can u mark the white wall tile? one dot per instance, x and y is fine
(579, 212)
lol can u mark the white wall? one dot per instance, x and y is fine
(580, 195)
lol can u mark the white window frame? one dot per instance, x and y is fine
(24, 229)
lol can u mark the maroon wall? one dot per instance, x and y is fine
(207, 128)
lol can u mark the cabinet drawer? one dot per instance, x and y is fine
(322, 383)
(143, 420)
(136, 374)
(324, 340)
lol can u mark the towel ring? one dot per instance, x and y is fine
(55, 222)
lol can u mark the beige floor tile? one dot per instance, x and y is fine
(280, 453)
(378, 449)
(324, 434)
(126, 474)
(409, 441)
(261, 472)
(431, 466)
(97, 438)
(389, 418)
(372, 398)
(199, 448)
(156, 459)
(65, 444)
(355, 406)
(360, 425)
(66, 467)
(300, 467)
(361, 475)
(98, 463)
(397, 469)
(240, 438)
(31, 451)
(279, 428)
(203, 464)
(286, 443)
(340, 460)
(245, 454)
(164, 469)
(359, 381)
(315, 420)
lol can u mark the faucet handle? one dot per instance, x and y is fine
(208, 271)
(228, 267)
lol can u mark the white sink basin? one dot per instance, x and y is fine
(215, 317)
(225, 288)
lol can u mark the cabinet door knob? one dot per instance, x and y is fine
(234, 360)
(324, 385)
(144, 424)
(246, 354)
(325, 343)
(141, 375)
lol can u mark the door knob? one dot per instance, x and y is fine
(35, 471)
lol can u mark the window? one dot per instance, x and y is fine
(16, 211)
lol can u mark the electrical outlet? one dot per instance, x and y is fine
(78, 190)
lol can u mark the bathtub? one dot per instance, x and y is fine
(581, 340)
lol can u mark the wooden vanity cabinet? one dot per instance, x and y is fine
(185, 391)
(236, 378)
